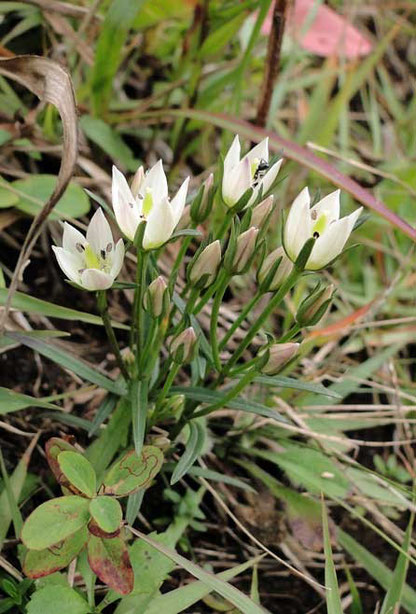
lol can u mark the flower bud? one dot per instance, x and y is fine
(182, 347)
(156, 298)
(202, 205)
(275, 269)
(279, 356)
(204, 268)
(245, 250)
(261, 212)
(312, 309)
(137, 181)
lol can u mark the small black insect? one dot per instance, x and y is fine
(260, 171)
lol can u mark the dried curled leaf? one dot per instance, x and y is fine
(132, 473)
(52, 83)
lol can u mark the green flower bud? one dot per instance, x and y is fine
(312, 308)
(156, 298)
(203, 269)
(202, 205)
(245, 250)
(275, 269)
(279, 355)
(183, 347)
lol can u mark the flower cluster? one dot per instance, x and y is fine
(94, 262)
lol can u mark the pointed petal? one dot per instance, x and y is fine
(71, 238)
(330, 205)
(68, 262)
(298, 225)
(125, 207)
(177, 203)
(233, 154)
(156, 180)
(137, 181)
(93, 279)
(99, 232)
(269, 178)
(259, 152)
(331, 242)
(236, 182)
(160, 225)
(118, 259)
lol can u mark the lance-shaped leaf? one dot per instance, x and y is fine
(55, 520)
(110, 561)
(107, 513)
(39, 563)
(79, 471)
(132, 473)
(54, 446)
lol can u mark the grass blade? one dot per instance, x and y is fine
(193, 448)
(333, 598)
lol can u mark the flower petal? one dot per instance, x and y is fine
(177, 204)
(71, 238)
(126, 208)
(331, 243)
(330, 205)
(156, 180)
(118, 259)
(99, 232)
(298, 225)
(160, 225)
(93, 279)
(269, 178)
(233, 155)
(236, 182)
(69, 263)
(259, 152)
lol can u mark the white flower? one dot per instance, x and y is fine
(94, 261)
(147, 200)
(321, 221)
(250, 172)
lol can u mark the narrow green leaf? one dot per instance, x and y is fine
(11, 498)
(138, 399)
(67, 361)
(35, 190)
(236, 597)
(30, 304)
(79, 471)
(378, 570)
(54, 520)
(288, 382)
(184, 597)
(109, 140)
(107, 513)
(393, 598)
(193, 449)
(333, 597)
(203, 395)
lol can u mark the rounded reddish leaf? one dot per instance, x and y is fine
(109, 559)
(39, 563)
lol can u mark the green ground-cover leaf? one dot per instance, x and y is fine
(79, 472)
(110, 561)
(40, 563)
(53, 599)
(14, 401)
(74, 203)
(55, 520)
(132, 473)
(107, 513)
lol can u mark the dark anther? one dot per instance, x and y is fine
(109, 247)
(80, 247)
(316, 235)
(103, 252)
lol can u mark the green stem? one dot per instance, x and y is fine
(149, 345)
(177, 264)
(142, 260)
(275, 301)
(225, 224)
(240, 318)
(290, 333)
(244, 381)
(208, 294)
(214, 319)
(103, 309)
(168, 383)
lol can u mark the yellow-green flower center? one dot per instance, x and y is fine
(320, 224)
(91, 259)
(147, 202)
